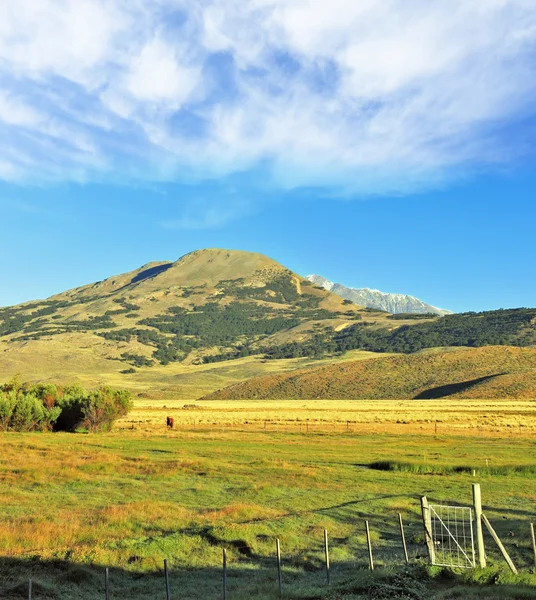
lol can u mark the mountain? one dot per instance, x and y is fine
(209, 305)
(491, 372)
(188, 327)
(391, 303)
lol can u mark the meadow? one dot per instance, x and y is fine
(424, 417)
(73, 504)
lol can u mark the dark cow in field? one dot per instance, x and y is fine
(169, 422)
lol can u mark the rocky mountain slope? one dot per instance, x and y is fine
(391, 303)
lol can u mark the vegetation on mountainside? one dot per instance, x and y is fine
(427, 375)
(46, 407)
(514, 327)
(217, 324)
(235, 315)
(217, 305)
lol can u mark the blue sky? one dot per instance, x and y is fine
(380, 144)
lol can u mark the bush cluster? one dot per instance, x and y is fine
(45, 407)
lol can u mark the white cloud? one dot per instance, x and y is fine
(155, 76)
(375, 96)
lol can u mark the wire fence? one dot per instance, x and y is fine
(452, 536)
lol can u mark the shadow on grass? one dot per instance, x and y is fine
(147, 274)
(444, 391)
(62, 580)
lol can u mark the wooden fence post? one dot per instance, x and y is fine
(107, 584)
(403, 537)
(369, 544)
(533, 544)
(326, 554)
(224, 574)
(166, 574)
(279, 577)
(427, 523)
(500, 544)
(477, 504)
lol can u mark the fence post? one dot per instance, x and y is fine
(279, 577)
(224, 574)
(427, 523)
(403, 537)
(500, 544)
(166, 574)
(369, 544)
(477, 504)
(30, 590)
(107, 584)
(533, 544)
(326, 554)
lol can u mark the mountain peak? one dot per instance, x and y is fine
(389, 302)
(321, 281)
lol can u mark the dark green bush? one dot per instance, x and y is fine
(25, 407)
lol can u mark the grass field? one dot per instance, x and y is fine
(72, 504)
(460, 417)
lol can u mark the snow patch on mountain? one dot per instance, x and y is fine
(392, 303)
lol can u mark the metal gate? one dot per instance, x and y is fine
(452, 536)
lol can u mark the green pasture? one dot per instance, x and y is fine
(73, 504)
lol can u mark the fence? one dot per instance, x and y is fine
(449, 538)
(207, 425)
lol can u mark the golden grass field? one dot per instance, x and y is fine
(463, 417)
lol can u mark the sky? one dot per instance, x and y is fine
(380, 143)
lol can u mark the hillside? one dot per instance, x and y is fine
(510, 327)
(491, 372)
(391, 303)
(209, 305)
(159, 328)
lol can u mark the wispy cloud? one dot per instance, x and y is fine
(371, 97)
(209, 213)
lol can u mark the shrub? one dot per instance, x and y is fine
(40, 407)
(104, 407)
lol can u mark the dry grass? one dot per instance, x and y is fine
(465, 417)
(90, 361)
(435, 374)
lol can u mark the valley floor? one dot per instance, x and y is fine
(503, 418)
(72, 505)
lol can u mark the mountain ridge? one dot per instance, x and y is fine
(393, 303)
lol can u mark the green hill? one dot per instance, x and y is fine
(491, 372)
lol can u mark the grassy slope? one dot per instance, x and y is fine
(435, 374)
(51, 361)
(128, 501)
